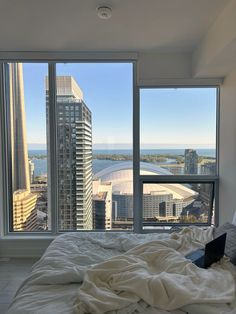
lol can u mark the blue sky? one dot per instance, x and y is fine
(180, 117)
(170, 118)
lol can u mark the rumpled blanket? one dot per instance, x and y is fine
(157, 273)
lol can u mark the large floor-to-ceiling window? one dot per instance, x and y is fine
(85, 148)
(69, 146)
(94, 146)
(26, 146)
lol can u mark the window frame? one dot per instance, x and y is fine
(178, 178)
(138, 180)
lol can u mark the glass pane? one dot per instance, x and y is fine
(94, 146)
(178, 131)
(169, 203)
(28, 139)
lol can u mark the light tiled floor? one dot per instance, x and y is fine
(12, 272)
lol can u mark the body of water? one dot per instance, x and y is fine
(41, 164)
(206, 152)
(201, 152)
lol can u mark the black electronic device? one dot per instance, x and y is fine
(213, 252)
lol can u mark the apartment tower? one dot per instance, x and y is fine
(102, 205)
(74, 156)
(190, 161)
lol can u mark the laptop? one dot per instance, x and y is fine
(213, 252)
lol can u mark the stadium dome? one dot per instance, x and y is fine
(121, 177)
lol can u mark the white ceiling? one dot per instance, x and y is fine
(136, 25)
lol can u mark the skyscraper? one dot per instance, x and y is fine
(74, 156)
(102, 205)
(99, 211)
(24, 202)
(190, 161)
(24, 211)
(208, 168)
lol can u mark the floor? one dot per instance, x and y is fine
(12, 272)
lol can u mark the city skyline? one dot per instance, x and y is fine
(111, 83)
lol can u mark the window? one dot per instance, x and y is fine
(70, 152)
(96, 145)
(71, 157)
(178, 131)
(177, 203)
(178, 146)
(27, 143)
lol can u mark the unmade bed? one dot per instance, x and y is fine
(127, 273)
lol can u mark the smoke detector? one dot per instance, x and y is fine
(104, 12)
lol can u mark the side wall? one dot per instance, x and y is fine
(227, 170)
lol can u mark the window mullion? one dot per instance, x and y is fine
(52, 159)
(6, 151)
(3, 155)
(217, 128)
(137, 208)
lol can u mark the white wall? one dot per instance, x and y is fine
(169, 69)
(153, 66)
(215, 54)
(227, 170)
(23, 247)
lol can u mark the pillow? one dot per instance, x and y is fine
(230, 246)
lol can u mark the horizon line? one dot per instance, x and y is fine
(161, 148)
(151, 144)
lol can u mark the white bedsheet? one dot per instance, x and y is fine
(156, 273)
(53, 286)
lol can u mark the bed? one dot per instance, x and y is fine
(127, 273)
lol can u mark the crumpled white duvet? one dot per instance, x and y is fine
(157, 273)
(54, 286)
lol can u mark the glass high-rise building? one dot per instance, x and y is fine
(74, 156)
(190, 161)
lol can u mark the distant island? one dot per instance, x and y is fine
(143, 157)
(151, 158)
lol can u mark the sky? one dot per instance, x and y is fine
(169, 118)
